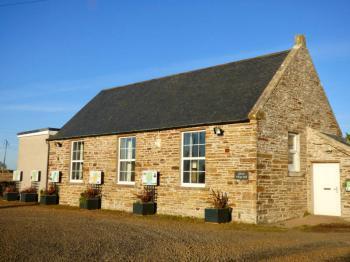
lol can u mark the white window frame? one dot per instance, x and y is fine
(76, 161)
(190, 184)
(125, 160)
(295, 167)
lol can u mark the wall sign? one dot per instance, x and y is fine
(17, 175)
(54, 176)
(241, 175)
(95, 177)
(149, 177)
(347, 185)
(35, 176)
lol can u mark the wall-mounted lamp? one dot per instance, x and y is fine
(58, 144)
(218, 131)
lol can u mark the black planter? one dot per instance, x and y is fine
(10, 196)
(90, 203)
(29, 197)
(149, 208)
(218, 215)
(49, 200)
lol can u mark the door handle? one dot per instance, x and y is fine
(326, 188)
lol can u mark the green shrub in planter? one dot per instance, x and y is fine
(49, 196)
(218, 215)
(148, 208)
(10, 193)
(90, 203)
(221, 212)
(90, 199)
(49, 199)
(146, 204)
(29, 195)
(10, 196)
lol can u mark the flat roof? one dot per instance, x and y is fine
(38, 130)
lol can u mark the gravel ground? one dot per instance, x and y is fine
(37, 233)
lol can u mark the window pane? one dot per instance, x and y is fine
(187, 139)
(201, 164)
(186, 177)
(202, 151)
(133, 142)
(194, 177)
(77, 171)
(74, 157)
(194, 165)
(122, 176)
(195, 138)
(186, 151)
(186, 165)
(78, 146)
(127, 148)
(77, 153)
(80, 175)
(201, 177)
(129, 153)
(122, 166)
(74, 166)
(291, 158)
(131, 166)
(129, 143)
(80, 154)
(202, 137)
(123, 153)
(127, 171)
(291, 141)
(195, 149)
(122, 143)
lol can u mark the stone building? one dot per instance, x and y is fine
(260, 129)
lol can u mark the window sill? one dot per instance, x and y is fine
(76, 181)
(192, 186)
(126, 184)
(295, 174)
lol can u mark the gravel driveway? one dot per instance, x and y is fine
(36, 233)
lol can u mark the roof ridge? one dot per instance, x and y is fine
(195, 70)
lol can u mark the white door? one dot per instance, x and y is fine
(326, 180)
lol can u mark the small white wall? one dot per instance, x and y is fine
(33, 155)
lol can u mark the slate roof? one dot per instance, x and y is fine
(219, 94)
(337, 138)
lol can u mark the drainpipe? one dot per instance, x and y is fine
(47, 163)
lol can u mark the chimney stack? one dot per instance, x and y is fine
(300, 40)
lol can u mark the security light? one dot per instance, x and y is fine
(58, 144)
(218, 131)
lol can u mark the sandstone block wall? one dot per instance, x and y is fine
(322, 150)
(161, 151)
(298, 101)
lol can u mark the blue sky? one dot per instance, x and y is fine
(55, 55)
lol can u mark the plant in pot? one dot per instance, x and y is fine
(221, 212)
(10, 193)
(145, 205)
(49, 196)
(90, 199)
(29, 195)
